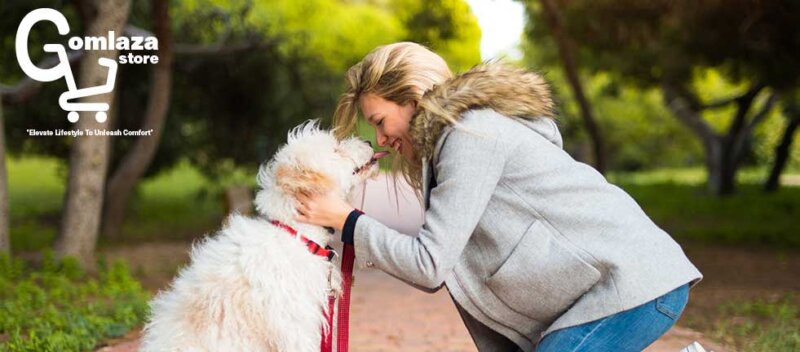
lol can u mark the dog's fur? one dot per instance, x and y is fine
(253, 287)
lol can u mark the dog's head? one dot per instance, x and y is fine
(313, 162)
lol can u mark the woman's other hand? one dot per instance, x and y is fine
(323, 210)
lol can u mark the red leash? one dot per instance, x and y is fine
(326, 345)
(343, 332)
(343, 321)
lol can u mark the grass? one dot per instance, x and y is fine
(182, 204)
(179, 204)
(677, 200)
(35, 190)
(56, 306)
(176, 205)
(763, 325)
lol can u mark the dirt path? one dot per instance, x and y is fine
(387, 315)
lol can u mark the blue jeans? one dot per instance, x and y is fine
(630, 330)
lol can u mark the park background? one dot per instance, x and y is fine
(690, 106)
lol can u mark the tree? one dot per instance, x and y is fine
(89, 155)
(566, 49)
(135, 163)
(665, 43)
(791, 110)
(5, 237)
(448, 27)
(724, 151)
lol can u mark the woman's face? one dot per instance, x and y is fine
(391, 122)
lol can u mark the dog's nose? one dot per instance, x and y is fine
(368, 143)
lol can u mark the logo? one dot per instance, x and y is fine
(63, 69)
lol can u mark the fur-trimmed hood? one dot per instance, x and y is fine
(510, 91)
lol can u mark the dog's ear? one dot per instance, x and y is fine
(299, 180)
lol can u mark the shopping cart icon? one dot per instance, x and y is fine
(74, 93)
(63, 69)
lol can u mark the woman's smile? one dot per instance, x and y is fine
(390, 121)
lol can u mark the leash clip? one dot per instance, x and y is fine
(331, 291)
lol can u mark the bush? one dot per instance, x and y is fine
(59, 307)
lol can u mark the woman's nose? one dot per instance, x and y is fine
(381, 139)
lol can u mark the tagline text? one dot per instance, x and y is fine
(88, 132)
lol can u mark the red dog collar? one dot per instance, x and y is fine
(312, 246)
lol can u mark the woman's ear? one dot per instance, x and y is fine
(293, 180)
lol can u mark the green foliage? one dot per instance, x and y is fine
(762, 325)
(59, 307)
(716, 49)
(638, 131)
(648, 41)
(235, 108)
(447, 27)
(42, 111)
(336, 32)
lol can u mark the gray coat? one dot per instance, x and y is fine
(526, 239)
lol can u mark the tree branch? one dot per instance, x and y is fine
(743, 104)
(726, 101)
(740, 137)
(763, 113)
(27, 88)
(682, 103)
(720, 103)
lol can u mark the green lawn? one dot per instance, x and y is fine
(768, 325)
(182, 204)
(677, 200)
(177, 205)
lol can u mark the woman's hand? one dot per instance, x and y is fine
(323, 210)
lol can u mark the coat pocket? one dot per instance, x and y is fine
(542, 278)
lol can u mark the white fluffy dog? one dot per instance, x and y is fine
(253, 286)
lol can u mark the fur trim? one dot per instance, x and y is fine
(510, 91)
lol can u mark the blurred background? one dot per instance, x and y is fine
(690, 106)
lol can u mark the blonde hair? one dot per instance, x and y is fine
(400, 73)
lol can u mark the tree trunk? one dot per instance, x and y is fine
(89, 154)
(135, 163)
(5, 236)
(740, 132)
(723, 153)
(713, 153)
(727, 177)
(687, 110)
(782, 152)
(566, 49)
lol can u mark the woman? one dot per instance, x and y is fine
(538, 251)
